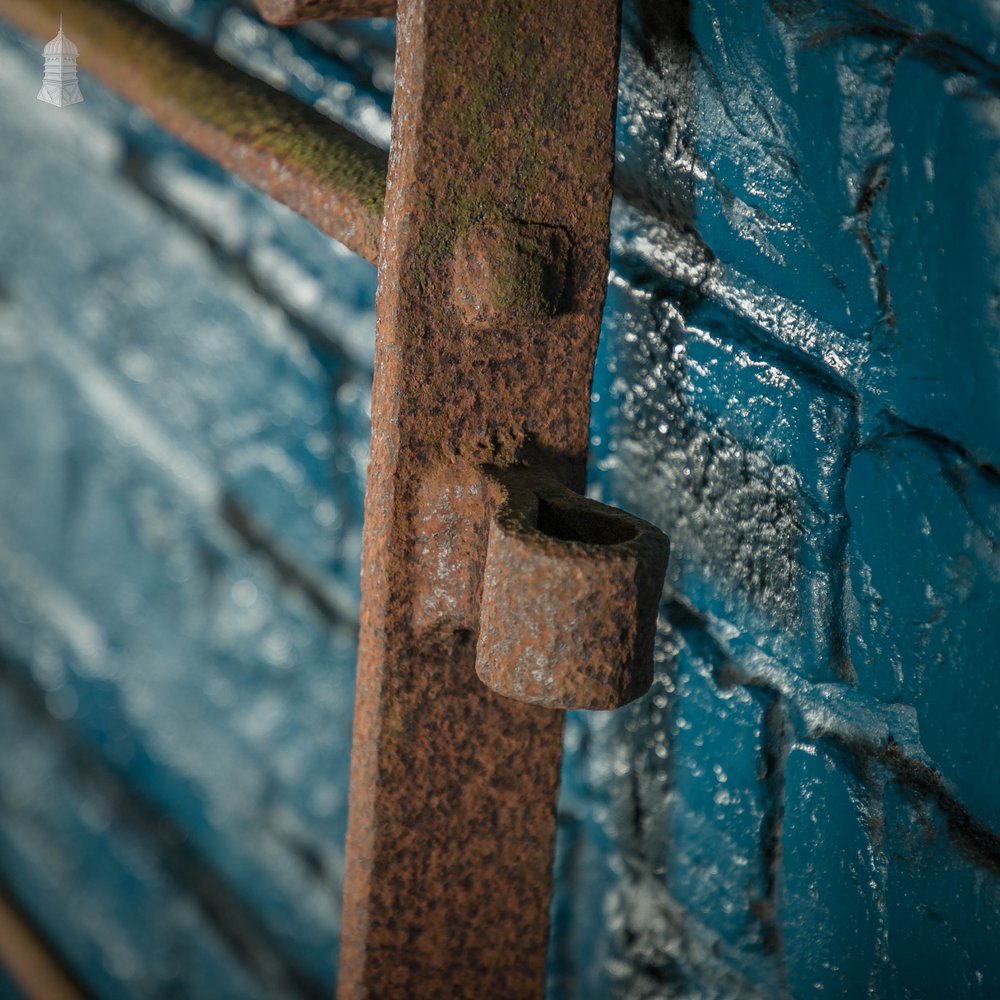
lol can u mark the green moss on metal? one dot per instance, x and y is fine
(513, 57)
(507, 168)
(491, 97)
(180, 82)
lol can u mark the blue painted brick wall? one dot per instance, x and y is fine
(798, 379)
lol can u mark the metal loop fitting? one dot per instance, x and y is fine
(571, 589)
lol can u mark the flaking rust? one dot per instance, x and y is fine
(491, 284)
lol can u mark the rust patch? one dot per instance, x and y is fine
(504, 271)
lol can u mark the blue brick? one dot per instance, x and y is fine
(136, 401)
(942, 910)
(830, 913)
(587, 870)
(198, 372)
(968, 26)
(738, 450)
(941, 367)
(247, 755)
(924, 575)
(777, 224)
(98, 884)
(316, 280)
(786, 130)
(719, 806)
(669, 789)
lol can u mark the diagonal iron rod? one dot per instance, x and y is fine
(268, 138)
(298, 11)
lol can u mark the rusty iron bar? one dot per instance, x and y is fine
(297, 11)
(268, 138)
(491, 285)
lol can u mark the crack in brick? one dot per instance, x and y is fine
(777, 727)
(870, 731)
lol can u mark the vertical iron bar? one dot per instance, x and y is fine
(491, 284)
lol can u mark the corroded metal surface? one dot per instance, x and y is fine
(297, 11)
(502, 136)
(289, 151)
(571, 590)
